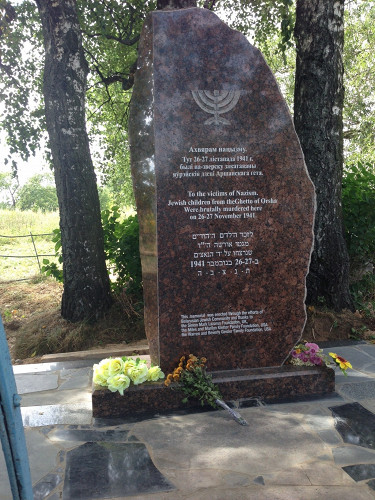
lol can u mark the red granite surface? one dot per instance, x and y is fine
(270, 384)
(226, 236)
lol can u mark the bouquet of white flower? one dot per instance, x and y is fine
(117, 373)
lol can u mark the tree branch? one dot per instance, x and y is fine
(124, 41)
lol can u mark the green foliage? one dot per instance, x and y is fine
(198, 384)
(121, 245)
(269, 25)
(105, 197)
(17, 222)
(194, 381)
(111, 30)
(359, 81)
(8, 186)
(363, 293)
(262, 19)
(51, 268)
(358, 200)
(38, 194)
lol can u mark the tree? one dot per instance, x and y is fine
(9, 185)
(86, 283)
(318, 105)
(359, 82)
(22, 113)
(110, 31)
(38, 193)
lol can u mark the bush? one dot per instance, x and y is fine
(51, 268)
(363, 293)
(358, 199)
(121, 246)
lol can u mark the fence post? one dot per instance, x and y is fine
(36, 253)
(11, 428)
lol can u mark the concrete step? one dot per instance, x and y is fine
(110, 350)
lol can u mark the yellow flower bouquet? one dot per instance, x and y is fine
(118, 373)
(341, 362)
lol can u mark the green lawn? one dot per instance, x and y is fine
(21, 260)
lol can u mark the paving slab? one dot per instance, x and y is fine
(80, 380)
(360, 472)
(357, 391)
(52, 367)
(125, 469)
(288, 451)
(36, 416)
(58, 397)
(36, 382)
(42, 458)
(214, 441)
(330, 437)
(351, 455)
(132, 349)
(367, 348)
(354, 376)
(322, 474)
(369, 404)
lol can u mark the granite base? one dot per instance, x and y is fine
(269, 384)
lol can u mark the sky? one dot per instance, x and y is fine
(35, 165)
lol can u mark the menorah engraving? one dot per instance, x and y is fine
(216, 103)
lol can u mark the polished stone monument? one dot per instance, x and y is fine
(224, 200)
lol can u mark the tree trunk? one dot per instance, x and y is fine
(318, 103)
(86, 284)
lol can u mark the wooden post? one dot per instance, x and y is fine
(11, 428)
(36, 253)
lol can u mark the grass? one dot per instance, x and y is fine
(17, 253)
(16, 222)
(31, 315)
(30, 309)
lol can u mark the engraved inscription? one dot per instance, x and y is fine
(216, 103)
(222, 254)
(223, 323)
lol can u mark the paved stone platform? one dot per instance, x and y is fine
(306, 449)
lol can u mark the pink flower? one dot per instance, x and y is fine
(303, 357)
(316, 360)
(313, 348)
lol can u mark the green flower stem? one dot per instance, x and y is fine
(234, 414)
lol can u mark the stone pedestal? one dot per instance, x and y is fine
(270, 384)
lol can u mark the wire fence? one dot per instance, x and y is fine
(36, 255)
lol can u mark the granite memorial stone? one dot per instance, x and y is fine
(225, 203)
